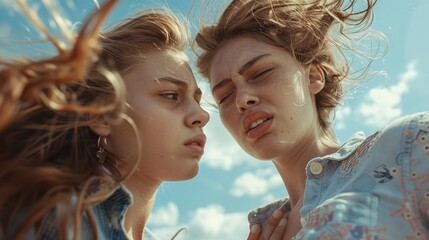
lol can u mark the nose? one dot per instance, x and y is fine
(198, 117)
(245, 100)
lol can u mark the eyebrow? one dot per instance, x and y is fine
(241, 70)
(175, 81)
(179, 83)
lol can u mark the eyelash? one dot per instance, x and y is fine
(256, 76)
(263, 73)
(224, 98)
(171, 95)
(176, 97)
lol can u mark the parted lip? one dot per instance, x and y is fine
(199, 139)
(253, 116)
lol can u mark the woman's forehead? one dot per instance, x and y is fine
(236, 53)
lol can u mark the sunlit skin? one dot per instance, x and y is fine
(266, 101)
(268, 84)
(165, 107)
(164, 104)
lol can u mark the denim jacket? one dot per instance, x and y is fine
(109, 218)
(374, 187)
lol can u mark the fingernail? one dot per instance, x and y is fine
(283, 222)
(254, 228)
(278, 214)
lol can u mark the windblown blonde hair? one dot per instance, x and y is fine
(48, 152)
(304, 28)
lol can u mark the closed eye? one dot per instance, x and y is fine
(225, 97)
(264, 72)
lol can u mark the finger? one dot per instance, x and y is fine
(279, 230)
(272, 224)
(255, 231)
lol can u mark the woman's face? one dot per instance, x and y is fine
(163, 100)
(265, 99)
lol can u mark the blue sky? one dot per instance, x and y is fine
(214, 205)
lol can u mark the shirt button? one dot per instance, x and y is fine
(316, 168)
(303, 222)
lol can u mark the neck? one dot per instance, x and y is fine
(144, 194)
(291, 165)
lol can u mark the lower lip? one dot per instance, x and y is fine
(260, 130)
(196, 149)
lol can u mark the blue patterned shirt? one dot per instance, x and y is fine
(109, 218)
(374, 187)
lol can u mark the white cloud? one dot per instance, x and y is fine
(210, 223)
(165, 216)
(268, 198)
(224, 158)
(382, 104)
(249, 184)
(222, 151)
(212, 220)
(255, 184)
(341, 115)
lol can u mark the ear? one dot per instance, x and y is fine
(99, 125)
(317, 79)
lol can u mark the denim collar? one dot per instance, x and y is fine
(348, 148)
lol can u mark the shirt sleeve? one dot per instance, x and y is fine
(344, 216)
(353, 215)
(419, 170)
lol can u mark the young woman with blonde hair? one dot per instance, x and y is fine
(276, 70)
(87, 138)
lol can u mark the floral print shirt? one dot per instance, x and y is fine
(374, 187)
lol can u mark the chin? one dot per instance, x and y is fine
(260, 154)
(263, 157)
(185, 174)
(193, 173)
(263, 154)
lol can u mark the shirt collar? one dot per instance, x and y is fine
(121, 198)
(347, 148)
(262, 214)
(118, 203)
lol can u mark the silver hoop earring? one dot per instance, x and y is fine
(101, 154)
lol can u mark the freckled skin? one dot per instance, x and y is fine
(281, 92)
(165, 115)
